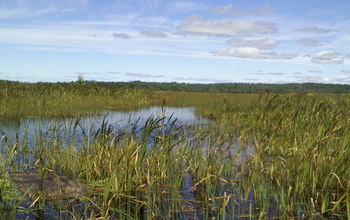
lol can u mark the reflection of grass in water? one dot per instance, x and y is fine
(131, 175)
(208, 105)
(299, 164)
(302, 149)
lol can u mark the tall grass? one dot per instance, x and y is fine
(133, 173)
(209, 105)
(269, 156)
(58, 100)
(301, 155)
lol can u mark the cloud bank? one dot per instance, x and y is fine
(315, 30)
(308, 42)
(257, 43)
(227, 27)
(255, 53)
(327, 57)
(223, 9)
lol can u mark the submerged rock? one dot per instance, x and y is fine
(52, 185)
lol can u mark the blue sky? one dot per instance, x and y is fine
(255, 41)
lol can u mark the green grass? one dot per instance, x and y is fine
(302, 149)
(284, 156)
(64, 100)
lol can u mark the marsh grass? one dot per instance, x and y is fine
(64, 100)
(270, 156)
(208, 105)
(133, 173)
(302, 148)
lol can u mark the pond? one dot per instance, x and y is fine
(70, 130)
(171, 135)
(115, 119)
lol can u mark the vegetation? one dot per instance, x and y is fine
(64, 100)
(230, 87)
(264, 156)
(301, 151)
(215, 87)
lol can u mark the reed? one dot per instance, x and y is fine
(263, 156)
(301, 151)
(64, 100)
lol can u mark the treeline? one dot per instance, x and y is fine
(217, 87)
(230, 87)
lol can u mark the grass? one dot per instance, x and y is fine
(64, 100)
(270, 155)
(301, 154)
(132, 174)
(208, 105)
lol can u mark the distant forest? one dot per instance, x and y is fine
(229, 87)
(216, 87)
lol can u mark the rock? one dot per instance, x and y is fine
(53, 186)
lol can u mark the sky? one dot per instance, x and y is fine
(192, 41)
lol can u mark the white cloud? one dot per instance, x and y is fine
(255, 53)
(257, 43)
(53, 36)
(327, 57)
(316, 30)
(227, 27)
(157, 34)
(223, 9)
(345, 71)
(308, 42)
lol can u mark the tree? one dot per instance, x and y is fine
(80, 80)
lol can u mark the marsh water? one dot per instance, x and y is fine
(29, 130)
(113, 118)
(73, 129)
(68, 130)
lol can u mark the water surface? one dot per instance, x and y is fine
(30, 127)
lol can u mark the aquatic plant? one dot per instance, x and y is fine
(264, 155)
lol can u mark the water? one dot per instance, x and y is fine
(28, 130)
(72, 129)
(34, 132)
(116, 119)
